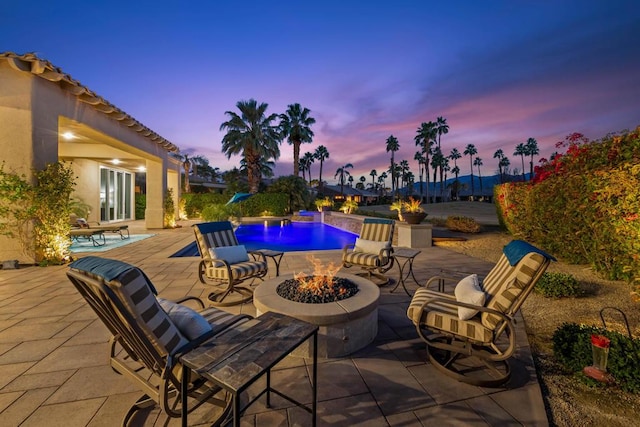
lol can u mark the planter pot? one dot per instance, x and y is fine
(413, 217)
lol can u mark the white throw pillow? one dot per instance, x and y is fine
(369, 246)
(191, 324)
(231, 254)
(468, 291)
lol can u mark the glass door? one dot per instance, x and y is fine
(115, 194)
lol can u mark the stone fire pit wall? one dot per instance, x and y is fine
(345, 326)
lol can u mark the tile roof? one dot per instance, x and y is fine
(30, 63)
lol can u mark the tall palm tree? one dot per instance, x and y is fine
(532, 150)
(455, 155)
(521, 150)
(442, 128)
(404, 168)
(425, 138)
(373, 175)
(504, 164)
(252, 135)
(420, 159)
(499, 154)
(392, 146)
(471, 151)
(308, 159)
(478, 162)
(321, 154)
(456, 184)
(295, 125)
(343, 172)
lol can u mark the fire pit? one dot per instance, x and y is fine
(346, 325)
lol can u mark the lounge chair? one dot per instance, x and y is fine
(81, 223)
(471, 335)
(94, 236)
(226, 263)
(149, 334)
(372, 249)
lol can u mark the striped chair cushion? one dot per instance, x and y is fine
(214, 239)
(504, 285)
(134, 290)
(362, 258)
(238, 271)
(444, 317)
(377, 229)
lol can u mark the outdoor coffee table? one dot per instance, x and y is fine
(404, 257)
(235, 360)
(276, 256)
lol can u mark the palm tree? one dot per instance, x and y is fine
(499, 154)
(392, 146)
(373, 174)
(419, 158)
(532, 150)
(442, 128)
(381, 180)
(308, 159)
(362, 180)
(471, 151)
(504, 164)
(295, 125)
(342, 172)
(478, 162)
(521, 150)
(186, 164)
(456, 184)
(321, 154)
(252, 135)
(425, 138)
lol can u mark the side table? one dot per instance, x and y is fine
(235, 360)
(276, 256)
(404, 257)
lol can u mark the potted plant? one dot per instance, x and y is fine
(412, 212)
(324, 205)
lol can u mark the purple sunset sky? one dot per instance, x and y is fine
(499, 71)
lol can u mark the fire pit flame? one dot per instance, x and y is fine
(320, 281)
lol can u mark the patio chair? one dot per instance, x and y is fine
(226, 263)
(149, 334)
(372, 249)
(81, 223)
(471, 335)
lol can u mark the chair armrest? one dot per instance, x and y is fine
(257, 254)
(480, 308)
(346, 248)
(440, 280)
(191, 298)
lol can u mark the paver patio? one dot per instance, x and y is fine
(54, 355)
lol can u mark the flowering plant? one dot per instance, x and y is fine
(600, 341)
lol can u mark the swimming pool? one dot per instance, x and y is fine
(296, 236)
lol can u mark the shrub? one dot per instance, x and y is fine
(462, 223)
(572, 348)
(557, 285)
(169, 209)
(218, 212)
(141, 205)
(582, 205)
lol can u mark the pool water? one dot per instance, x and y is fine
(296, 236)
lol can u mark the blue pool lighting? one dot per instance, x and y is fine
(296, 236)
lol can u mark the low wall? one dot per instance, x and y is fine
(406, 235)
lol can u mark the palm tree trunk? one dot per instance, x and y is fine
(296, 158)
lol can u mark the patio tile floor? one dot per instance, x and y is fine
(54, 356)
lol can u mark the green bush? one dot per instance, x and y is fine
(219, 212)
(572, 348)
(462, 223)
(557, 285)
(195, 203)
(141, 205)
(583, 205)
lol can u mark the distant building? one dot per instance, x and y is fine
(349, 193)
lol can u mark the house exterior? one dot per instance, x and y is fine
(46, 116)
